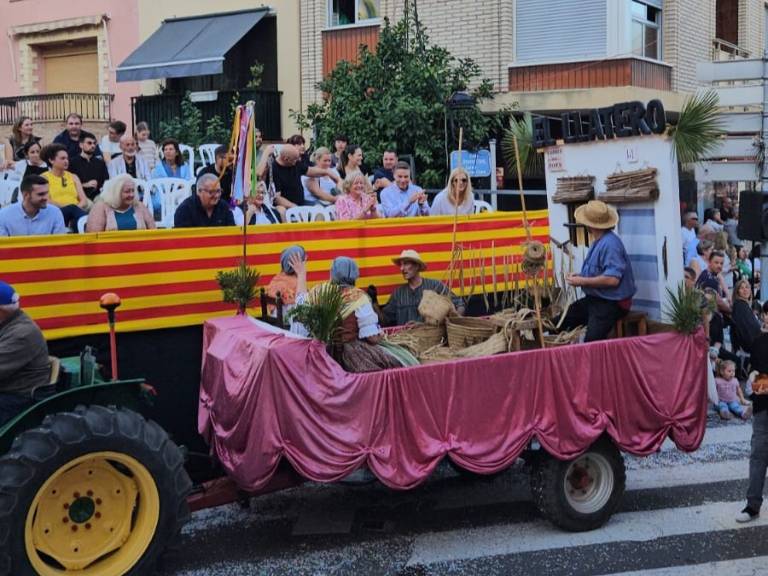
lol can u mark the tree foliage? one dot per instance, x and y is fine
(396, 96)
(189, 128)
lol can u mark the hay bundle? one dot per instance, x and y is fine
(564, 338)
(496, 344)
(435, 308)
(417, 337)
(437, 353)
(635, 186)
(574, 189)
(464, 332)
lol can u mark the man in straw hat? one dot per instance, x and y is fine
(606, 275)
(403, 306)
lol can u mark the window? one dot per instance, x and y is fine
(646, 30)
(346, 12)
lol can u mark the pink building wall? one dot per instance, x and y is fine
(122, 32)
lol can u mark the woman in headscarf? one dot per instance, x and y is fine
(284, 282)
(363, 348)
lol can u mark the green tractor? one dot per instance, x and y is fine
(87, 484)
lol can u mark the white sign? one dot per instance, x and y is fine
(631, 154)
(555, 159)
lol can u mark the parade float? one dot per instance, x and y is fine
(94, 481)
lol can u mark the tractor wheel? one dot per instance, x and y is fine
(94, 492)
(580, 494)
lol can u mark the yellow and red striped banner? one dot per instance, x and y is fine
(167, 278)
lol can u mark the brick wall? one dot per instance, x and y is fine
(689, 28)
(751, 33)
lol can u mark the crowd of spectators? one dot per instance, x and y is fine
(104, 179)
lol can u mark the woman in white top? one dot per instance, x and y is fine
(110, 142)
(320, 189)
(456, 197)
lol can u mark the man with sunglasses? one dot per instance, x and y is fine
(205, 208)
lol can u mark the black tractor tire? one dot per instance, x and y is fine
(41, 453)
(580, 494)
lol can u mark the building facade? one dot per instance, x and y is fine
(554, 55)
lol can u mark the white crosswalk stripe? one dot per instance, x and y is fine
(738, 567)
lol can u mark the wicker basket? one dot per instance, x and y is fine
(418, 337)
(496, 344)
(466, 332)
(437, 353)
(435, 308)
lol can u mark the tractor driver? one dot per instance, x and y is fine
(24, 363)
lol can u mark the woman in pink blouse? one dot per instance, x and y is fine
(358, 201)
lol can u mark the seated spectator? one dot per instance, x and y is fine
(363, 348)
(147, 147)
(744, 323)
(32, 164)
(700, 261)
(729, 395)
(172, 165)
(721, 245)
(385, 176)
(205, 208)
(284, 282)
(256, 212)
(403, 306)
(119, 209)
(129, 161)
(110, 142)
(33, 216)
(351, 161)
(358, 201)
(743, 263)
(404, 198)
(456, 198)
(298, 141)
(65, 188)
(258, 144)
(21, 135)
(284, 174)
(90, 169)
(339, 145)
(320, 189)
(688, 233)
(716, 323)
(712, 278)
(25, 369)
(222, 170)
(70, 137)
(689, 277)
(713, 220)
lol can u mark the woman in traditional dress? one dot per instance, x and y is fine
(363, 348)
(284, 282)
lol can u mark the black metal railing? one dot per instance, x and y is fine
(55, 107)
(164, 107)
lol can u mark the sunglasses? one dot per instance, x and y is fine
(459, 180)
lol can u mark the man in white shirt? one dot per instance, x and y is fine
(130, 161)
(688, 231)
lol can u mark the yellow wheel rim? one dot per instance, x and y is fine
(96, 516)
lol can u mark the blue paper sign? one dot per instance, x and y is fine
(477, 164)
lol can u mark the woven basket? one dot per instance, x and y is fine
(435, 308)
(437, 353)
(466, 332)
(418, 337)
(496, 344)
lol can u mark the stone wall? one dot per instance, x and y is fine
(48, 130)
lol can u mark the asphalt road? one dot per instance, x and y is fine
(676, 520)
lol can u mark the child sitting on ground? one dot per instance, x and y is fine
(729, 394)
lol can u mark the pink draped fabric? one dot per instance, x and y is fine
(265, 396)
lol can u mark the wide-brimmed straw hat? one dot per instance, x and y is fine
(596, 214)
(411, 256)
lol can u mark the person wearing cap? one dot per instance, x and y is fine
(403, 305)
(606, 275)
(24, 364)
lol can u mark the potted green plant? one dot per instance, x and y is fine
(321, 315)
(238, 286)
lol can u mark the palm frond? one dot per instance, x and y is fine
(684, 308)
(321, 314)
(698, 131)
(238, 286)
(532, 162)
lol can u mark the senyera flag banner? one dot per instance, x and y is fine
(167, 278)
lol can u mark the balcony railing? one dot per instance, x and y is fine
(164, 107)
(723, 50)
(55, 107)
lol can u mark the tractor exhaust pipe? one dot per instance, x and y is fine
(110, 302)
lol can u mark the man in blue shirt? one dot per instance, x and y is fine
(404, 198)
(606, 275)
(33, 216)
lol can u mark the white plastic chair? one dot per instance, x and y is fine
(237, 213)
(482, 206)
(7, 189)
(303, 213)
(172, 191)
(207, 153)
(330, 213)
(81, 224)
